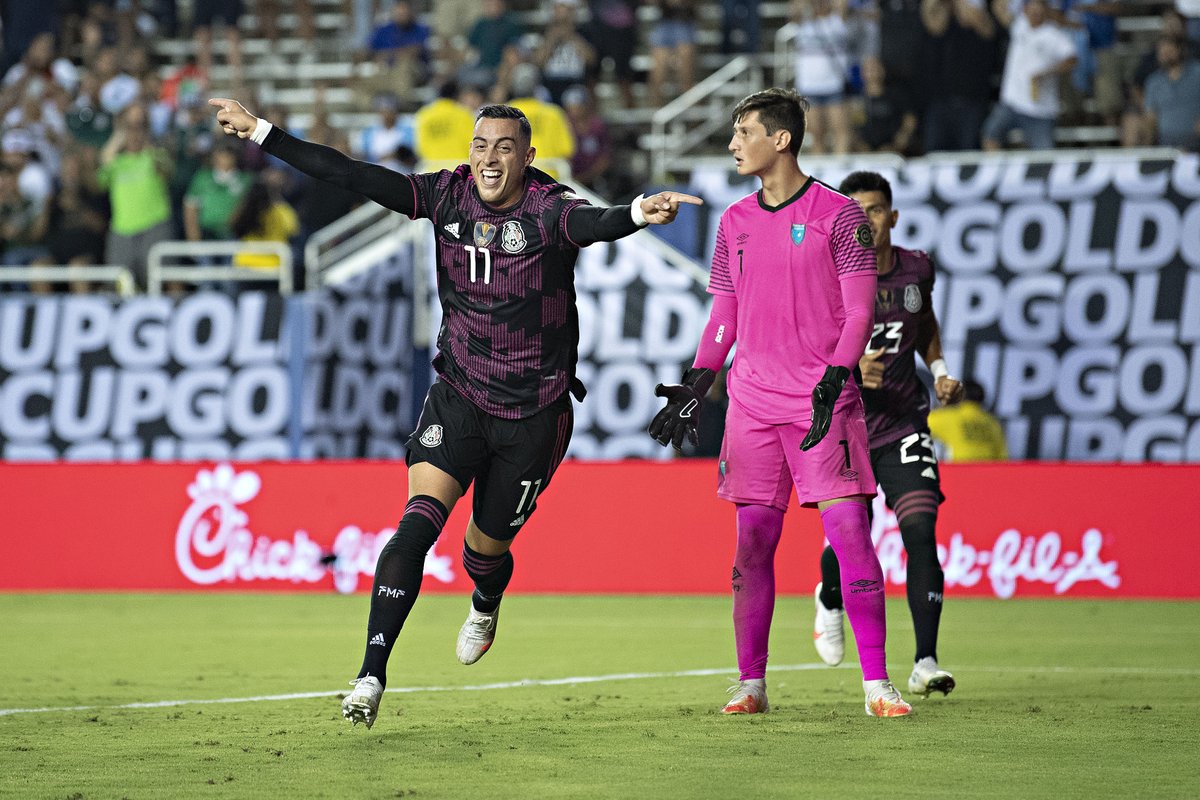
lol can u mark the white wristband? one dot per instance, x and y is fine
(938, 369)
(261, 129)
(635, 211)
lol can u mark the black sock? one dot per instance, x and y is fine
(398, 576)
(831, 579)
(491, 575)
(925, 580)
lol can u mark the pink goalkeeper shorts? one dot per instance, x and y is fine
(760, 462)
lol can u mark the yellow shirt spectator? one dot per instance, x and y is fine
(443, 131)
(552, 135)
(967, 432)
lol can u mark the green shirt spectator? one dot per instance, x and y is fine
(137, 190)
(213, 196)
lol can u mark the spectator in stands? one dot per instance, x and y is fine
(207, 14)
(23, 223)
(1134, 130)
(965, 431)
(552, 136)
(1190, 11)
(77, 217)
(672, 48)
(901, 41)
(399, 50)
(1098, 72)
(135, 173)
(118, 89)
(189, 144)
(741, 31)
(214, 195)
(564, 56)
(87, 121)
(264, 216)
(821, 64)
(613, 32)
(451, 21)
(1039, 54)
(1173, 97)
(494, 41)
(442, 126)
(961, 52)
(889, 113)
(380, 141)
(593, 142)
(18, 151)
(38, 67)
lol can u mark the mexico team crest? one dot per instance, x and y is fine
(432, 436)
(797, 232)
(512, 237)
(484, 233)
(912, 298)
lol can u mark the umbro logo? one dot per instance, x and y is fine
(863, 582)
(451, 229)
(864, 586)
(379, 640)
(929, 473)
(742, 237)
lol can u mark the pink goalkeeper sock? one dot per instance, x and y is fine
(849, 532)
(758, 531)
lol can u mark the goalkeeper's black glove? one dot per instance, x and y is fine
(824, 395)
(684, 400)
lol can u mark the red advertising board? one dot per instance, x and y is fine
(1006, 530)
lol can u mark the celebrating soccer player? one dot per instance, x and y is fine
(902, 456)
(793, 275)
(499, 414)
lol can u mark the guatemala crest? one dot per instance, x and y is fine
(797, 232)
(912, 298)
(512, 237)
(484, 233)
(432, 436)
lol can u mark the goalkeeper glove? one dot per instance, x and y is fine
(679, 418)
(824, 395)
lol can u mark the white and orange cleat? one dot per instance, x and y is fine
(828, 637)
(749, 697)
(476, 635)
(884, 701)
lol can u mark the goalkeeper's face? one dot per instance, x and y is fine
(499, 156)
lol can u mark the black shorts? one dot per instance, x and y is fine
(906, 465)
(206, 12)
(510, 461)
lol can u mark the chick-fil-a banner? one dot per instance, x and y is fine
(1006, 530)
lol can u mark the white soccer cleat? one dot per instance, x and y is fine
(749, 697)
(828, 637)
(476, 635)
(362, 704)
(884, 701)
(927, 678)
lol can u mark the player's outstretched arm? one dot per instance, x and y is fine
(389, 189)
(662, 208)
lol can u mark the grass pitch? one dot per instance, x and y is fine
(584, 697)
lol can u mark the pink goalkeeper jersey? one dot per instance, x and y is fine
(784, 266)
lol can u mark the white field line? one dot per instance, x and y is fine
(581, 679)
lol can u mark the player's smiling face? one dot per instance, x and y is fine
(499, 156)
(880, 214)
(754, 150)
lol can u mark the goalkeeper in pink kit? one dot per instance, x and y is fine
(793, 278)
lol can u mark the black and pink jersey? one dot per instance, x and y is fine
(902, 302)
(506, 281)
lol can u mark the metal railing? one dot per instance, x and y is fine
(120, 278)
(163, 264)
(684, 124)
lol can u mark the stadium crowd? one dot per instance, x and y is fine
(107, 148)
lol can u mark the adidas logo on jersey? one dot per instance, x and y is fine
(379, 640)
(929, 473)
(452, 229)
(518, 521)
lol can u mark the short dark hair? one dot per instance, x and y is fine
(777, 108)
(866, 181)
(507, 112)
